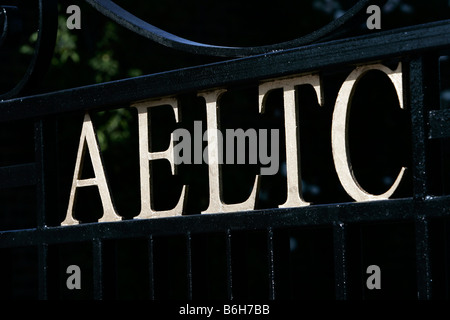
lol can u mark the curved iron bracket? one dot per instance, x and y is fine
(47, 28)
(135, 24)
(43, 49)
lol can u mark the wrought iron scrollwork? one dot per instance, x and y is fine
(43, 49)
(133, 23)
(47, 28)
(4, 23)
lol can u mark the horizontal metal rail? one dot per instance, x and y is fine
(389, 44)
(317, 215)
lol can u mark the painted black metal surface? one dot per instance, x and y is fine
(415, 46)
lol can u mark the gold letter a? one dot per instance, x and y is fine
(88, 140)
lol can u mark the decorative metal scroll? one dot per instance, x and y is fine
(43, 50)
(47, 27)
(133, 23)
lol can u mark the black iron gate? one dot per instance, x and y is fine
(318, 251)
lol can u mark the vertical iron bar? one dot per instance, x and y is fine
(422, 72)
(41, 206)
(97, 252)
(340, 260)
(270, 256)
(446, 260)
(422, 79)
(445, 188)
(39, 159)
(229, 266)
(443, 142)
(113, 269)
(363, 266)
(424, 276)
(44, 150)
(189, 264)
(43, 266)
(151, 269)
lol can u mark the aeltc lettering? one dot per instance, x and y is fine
(339, 143)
